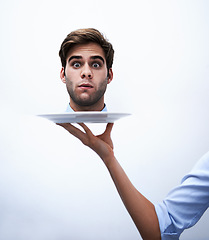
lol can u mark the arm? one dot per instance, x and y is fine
(141, 210)
(186, 203)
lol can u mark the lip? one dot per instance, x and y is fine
(85, 86)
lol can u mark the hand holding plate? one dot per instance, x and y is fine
(102, 144)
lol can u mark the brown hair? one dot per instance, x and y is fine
(82, 36)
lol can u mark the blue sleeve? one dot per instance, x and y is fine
(186, 203)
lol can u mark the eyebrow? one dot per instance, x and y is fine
(92, 57)
(74, 57)
(98, 57)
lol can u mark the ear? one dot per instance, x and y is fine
(110, 76)
(62, 75)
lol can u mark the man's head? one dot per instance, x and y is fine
(87, 59)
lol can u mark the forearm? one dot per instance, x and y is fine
(141, 210)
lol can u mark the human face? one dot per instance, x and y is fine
(86, 77)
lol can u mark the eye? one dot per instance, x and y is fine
(76, 64)
(96, 65)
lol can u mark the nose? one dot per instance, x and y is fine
(86, 72)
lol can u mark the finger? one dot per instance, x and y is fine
(83, 125)
(109, 128)
(86, 129)
(73, 130)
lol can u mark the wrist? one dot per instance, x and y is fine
(109, 160)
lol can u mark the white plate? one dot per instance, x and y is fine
(88, 117)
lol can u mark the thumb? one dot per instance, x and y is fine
(109, 128)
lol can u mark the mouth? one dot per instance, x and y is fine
(85, 86)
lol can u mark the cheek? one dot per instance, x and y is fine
(71, 77)
(71, 73)
(101, 75)
(103, 83)
(69, 81)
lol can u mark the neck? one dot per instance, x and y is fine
(95, 107)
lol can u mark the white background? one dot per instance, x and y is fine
(53, 187)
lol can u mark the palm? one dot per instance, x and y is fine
(101, 144)
(106, 138)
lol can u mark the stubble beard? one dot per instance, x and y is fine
(89, 99)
